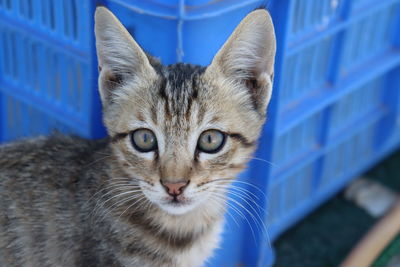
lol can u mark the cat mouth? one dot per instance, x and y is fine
(177, 200)
(177, 205)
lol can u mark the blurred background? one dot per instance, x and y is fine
(335, 112)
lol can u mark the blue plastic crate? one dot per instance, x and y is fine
(358, 46)
(342, 69)
(335, 110)
(48, 67)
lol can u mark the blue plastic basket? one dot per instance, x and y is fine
(336, 102)
(47, 69)
(335, 109)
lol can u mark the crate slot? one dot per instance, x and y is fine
(360, 45)
(356, 105)
(70, 15)
(274, 203)
(9, 55)
(26, 9)
(309, 16)
(348, 155)
(6, 4)
(23, 120)
(305, 71)
(298, 141)
(290, 192)
(75, 88)
(58, 19)
(56, 76)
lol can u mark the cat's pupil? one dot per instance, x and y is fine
(211, 141)
(144, 140)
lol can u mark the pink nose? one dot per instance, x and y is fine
(174, 189)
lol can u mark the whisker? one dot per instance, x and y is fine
(122, 185)
(115, 205)
(244, 198)
(145, 205)
(101, 203)
(114, 189)
(240, 214)
(233, 180)
(121, 194)
(248, 193)
(101, 153)
(219, 180)
(244, 190)
(227, 212)
(140, 199)
(97, 160)
(133, 179)
(228, 190)
(262, 160)
(256, 218)
(261, 209)
(252, 185)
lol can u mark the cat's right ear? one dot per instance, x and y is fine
(120, 57)
(247, 58)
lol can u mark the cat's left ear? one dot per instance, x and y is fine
(120, 57)
(247, 58)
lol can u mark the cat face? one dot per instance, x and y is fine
(183, 132)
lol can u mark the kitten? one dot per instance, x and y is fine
(152, 193)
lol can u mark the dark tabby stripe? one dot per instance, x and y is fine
(241, 139)
(118, 137)
(174, 241)
(136, 248)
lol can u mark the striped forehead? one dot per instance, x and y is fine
(179, 89)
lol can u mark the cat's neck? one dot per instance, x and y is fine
(197, 228)
(195, 222)
(198, 220)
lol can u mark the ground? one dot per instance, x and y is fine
(326, 236)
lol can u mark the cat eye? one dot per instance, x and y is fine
(211, 141)
(144, 140)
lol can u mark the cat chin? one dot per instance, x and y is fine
(176, 209)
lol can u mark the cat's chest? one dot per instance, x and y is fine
(201, 249)
(171, 256)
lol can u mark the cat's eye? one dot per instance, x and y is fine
(211, 141)
(144, 140)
